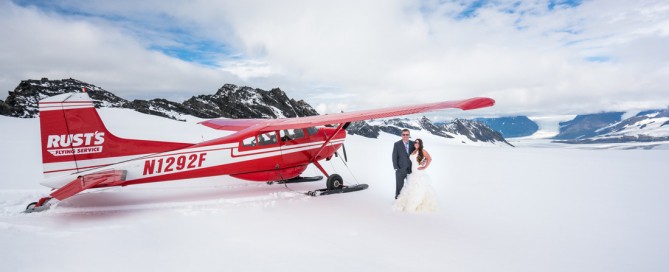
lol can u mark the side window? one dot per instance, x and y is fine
(312, 130)
(297, 133)
(267, 138)
(250, 141)
(291, 134)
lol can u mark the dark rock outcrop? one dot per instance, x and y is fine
(362, 128)
(22, 102)
(585, 126)
(608, 128)
(432, 128)
(475, 131)
(229, 101)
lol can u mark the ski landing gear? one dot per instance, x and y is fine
(297, 180)
(41, 205)
(343, 189)
(335, 185)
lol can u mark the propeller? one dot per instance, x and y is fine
(343, 147)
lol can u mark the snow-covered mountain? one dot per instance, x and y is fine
(587, 125)
(461, 130)
(475, 131)
(646, 126)
(229, 101)
(605, 127)
(22, 102)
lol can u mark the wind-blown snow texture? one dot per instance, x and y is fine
(501, 209)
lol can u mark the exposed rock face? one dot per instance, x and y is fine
(4, 108)
(229, 101)
(475, 131)
(362, 128)
(647, 126)
(585, 126)
(22, 102)
(432, 128)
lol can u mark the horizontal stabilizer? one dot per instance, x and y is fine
(107, 178)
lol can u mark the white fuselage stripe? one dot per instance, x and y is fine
(219, 155)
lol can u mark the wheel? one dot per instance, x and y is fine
(335, 182)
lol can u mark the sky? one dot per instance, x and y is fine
(537, 58)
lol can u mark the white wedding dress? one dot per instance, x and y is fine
(417, 195)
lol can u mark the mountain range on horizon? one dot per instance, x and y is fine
(231, 101)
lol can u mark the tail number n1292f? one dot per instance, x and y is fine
(173, 163)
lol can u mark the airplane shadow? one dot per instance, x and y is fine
(119, 201)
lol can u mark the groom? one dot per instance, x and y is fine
(401, 161)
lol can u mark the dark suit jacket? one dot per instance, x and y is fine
(400, 157)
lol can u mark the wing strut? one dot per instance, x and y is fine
(314, 159)
(327, 141)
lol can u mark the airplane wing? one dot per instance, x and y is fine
(263, 125)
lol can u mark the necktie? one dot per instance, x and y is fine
(406, 147)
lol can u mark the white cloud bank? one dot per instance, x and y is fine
(349, 55)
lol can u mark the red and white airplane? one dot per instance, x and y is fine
(79, 153)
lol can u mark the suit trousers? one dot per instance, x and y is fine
(400, 176)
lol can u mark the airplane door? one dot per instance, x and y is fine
(259, 158)
(294, 147)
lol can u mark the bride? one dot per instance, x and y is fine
(417, 194)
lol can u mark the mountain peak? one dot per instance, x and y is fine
(23, 101)
(474, 131)
(230, 101)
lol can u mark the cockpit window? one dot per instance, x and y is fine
(312, 130)
(267, 138)
(291, 134)
(250, 141)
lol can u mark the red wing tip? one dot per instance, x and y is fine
(476, 103)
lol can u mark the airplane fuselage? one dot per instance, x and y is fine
(268, 156)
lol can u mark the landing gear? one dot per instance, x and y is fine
(300, 179)
(41, 205)
(335, 184)
(296, 180)
(343, 189)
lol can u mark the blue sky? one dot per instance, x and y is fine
(533, 57)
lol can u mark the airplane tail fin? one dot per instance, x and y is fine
(75, 139)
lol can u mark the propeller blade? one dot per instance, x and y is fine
(343, 148)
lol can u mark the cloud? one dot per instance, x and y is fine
(533, 57)
(42, 44)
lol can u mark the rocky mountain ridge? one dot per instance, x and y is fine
(646, 126)
(229, 101)
(604, 127)
(472, 130)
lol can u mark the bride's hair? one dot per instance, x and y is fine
(420, 156)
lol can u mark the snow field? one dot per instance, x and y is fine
(501, 209)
